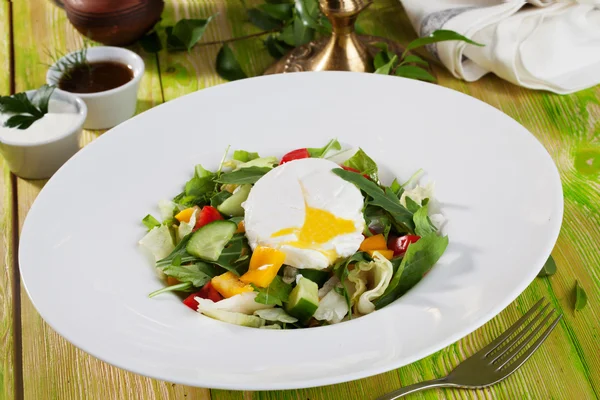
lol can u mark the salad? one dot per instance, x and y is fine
(311, 239)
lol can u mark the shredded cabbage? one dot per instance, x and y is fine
(185, 228)
(374, 276)
(167, 209)
(332, 308)
(159, 242)
(420, 193)
(242, 303)
(275, 315)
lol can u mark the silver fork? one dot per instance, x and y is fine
(497, 360)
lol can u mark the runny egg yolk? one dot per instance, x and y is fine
(319, 227)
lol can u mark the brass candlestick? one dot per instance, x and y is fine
(343, 51)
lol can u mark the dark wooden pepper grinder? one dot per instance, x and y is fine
(113, 22)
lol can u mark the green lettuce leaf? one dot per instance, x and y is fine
(423, 225)
(276, 293)
(322, 151)
(150, 222)
(361, 162)
(158, 241)
(244, 156)
(370, 279)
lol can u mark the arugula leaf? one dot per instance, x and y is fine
(180, 287)
(423, 225)
(414, 72)
(549, 267)
(197, 274)
(281, 12)
(419, 259)
(386, 68)
(397, 188)
(186, 33)
(580, 297)
(320, 152)
(151, 42)
(200, 188)
(244, 156)
(244, 175)
(377, 220)
(411, 205)
(27, 111)
(277, 293)
(150, 222)
(436, 37)
(262, 19)
(234, 257)
(364, 164)
(219, 198)
(385, 199)
(228, 66)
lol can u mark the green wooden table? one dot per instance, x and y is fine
(36, 363)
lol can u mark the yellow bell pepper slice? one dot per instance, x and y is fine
(185, 215)
(228, 285)
(241, 227)
(389, 254)
(264, 265)
(375, 242)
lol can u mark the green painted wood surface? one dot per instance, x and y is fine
(566, 367)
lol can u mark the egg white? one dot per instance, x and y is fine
(277, 202)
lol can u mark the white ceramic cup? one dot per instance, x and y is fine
(111, 107)
(40, 160)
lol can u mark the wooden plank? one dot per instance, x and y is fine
(8, 367)
(52, 367)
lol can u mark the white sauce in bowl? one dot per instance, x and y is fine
(62, 117)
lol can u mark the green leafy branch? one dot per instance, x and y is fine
(26, 111)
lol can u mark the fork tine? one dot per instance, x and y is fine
(509, 343)
(525, 356)
(515, 350)
(514, 327)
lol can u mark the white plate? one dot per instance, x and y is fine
(82, 268)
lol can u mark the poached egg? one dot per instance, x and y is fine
(305, 210)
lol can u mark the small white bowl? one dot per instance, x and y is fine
(111, 107)
(41, 159)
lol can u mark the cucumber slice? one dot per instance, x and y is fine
(318, 276)
(232, 206)
(235, 318)
(209, 241)
(303, 300)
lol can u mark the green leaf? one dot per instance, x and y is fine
(180, 287)
(150, 222)
(397, 188)
(200, 188)
(302, 33)
(423, 225)
(219, 198)
(244, 156)
(18, 103)
(414, 72)
(263, 20)
(359, 29)
(277, 48)
(386, 68)
(244, 175)
(234, 257)
(549, 268)
(281, 12)
(412, 205)
(276, 293)
(151, 42)
(385, 199)
(415, 60)
(20, 121)
(41, 98)
(228, 66)
(179, 252)
(287, 35)
(197, 274)
(580, 297)
(377, 220)
(436, 37)
(361, 162)
(418, 260)
(333, 144)
(308, 12)
(186, 33)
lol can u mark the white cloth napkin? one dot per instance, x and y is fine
(539, 44)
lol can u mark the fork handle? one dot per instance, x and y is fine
(442, 382)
